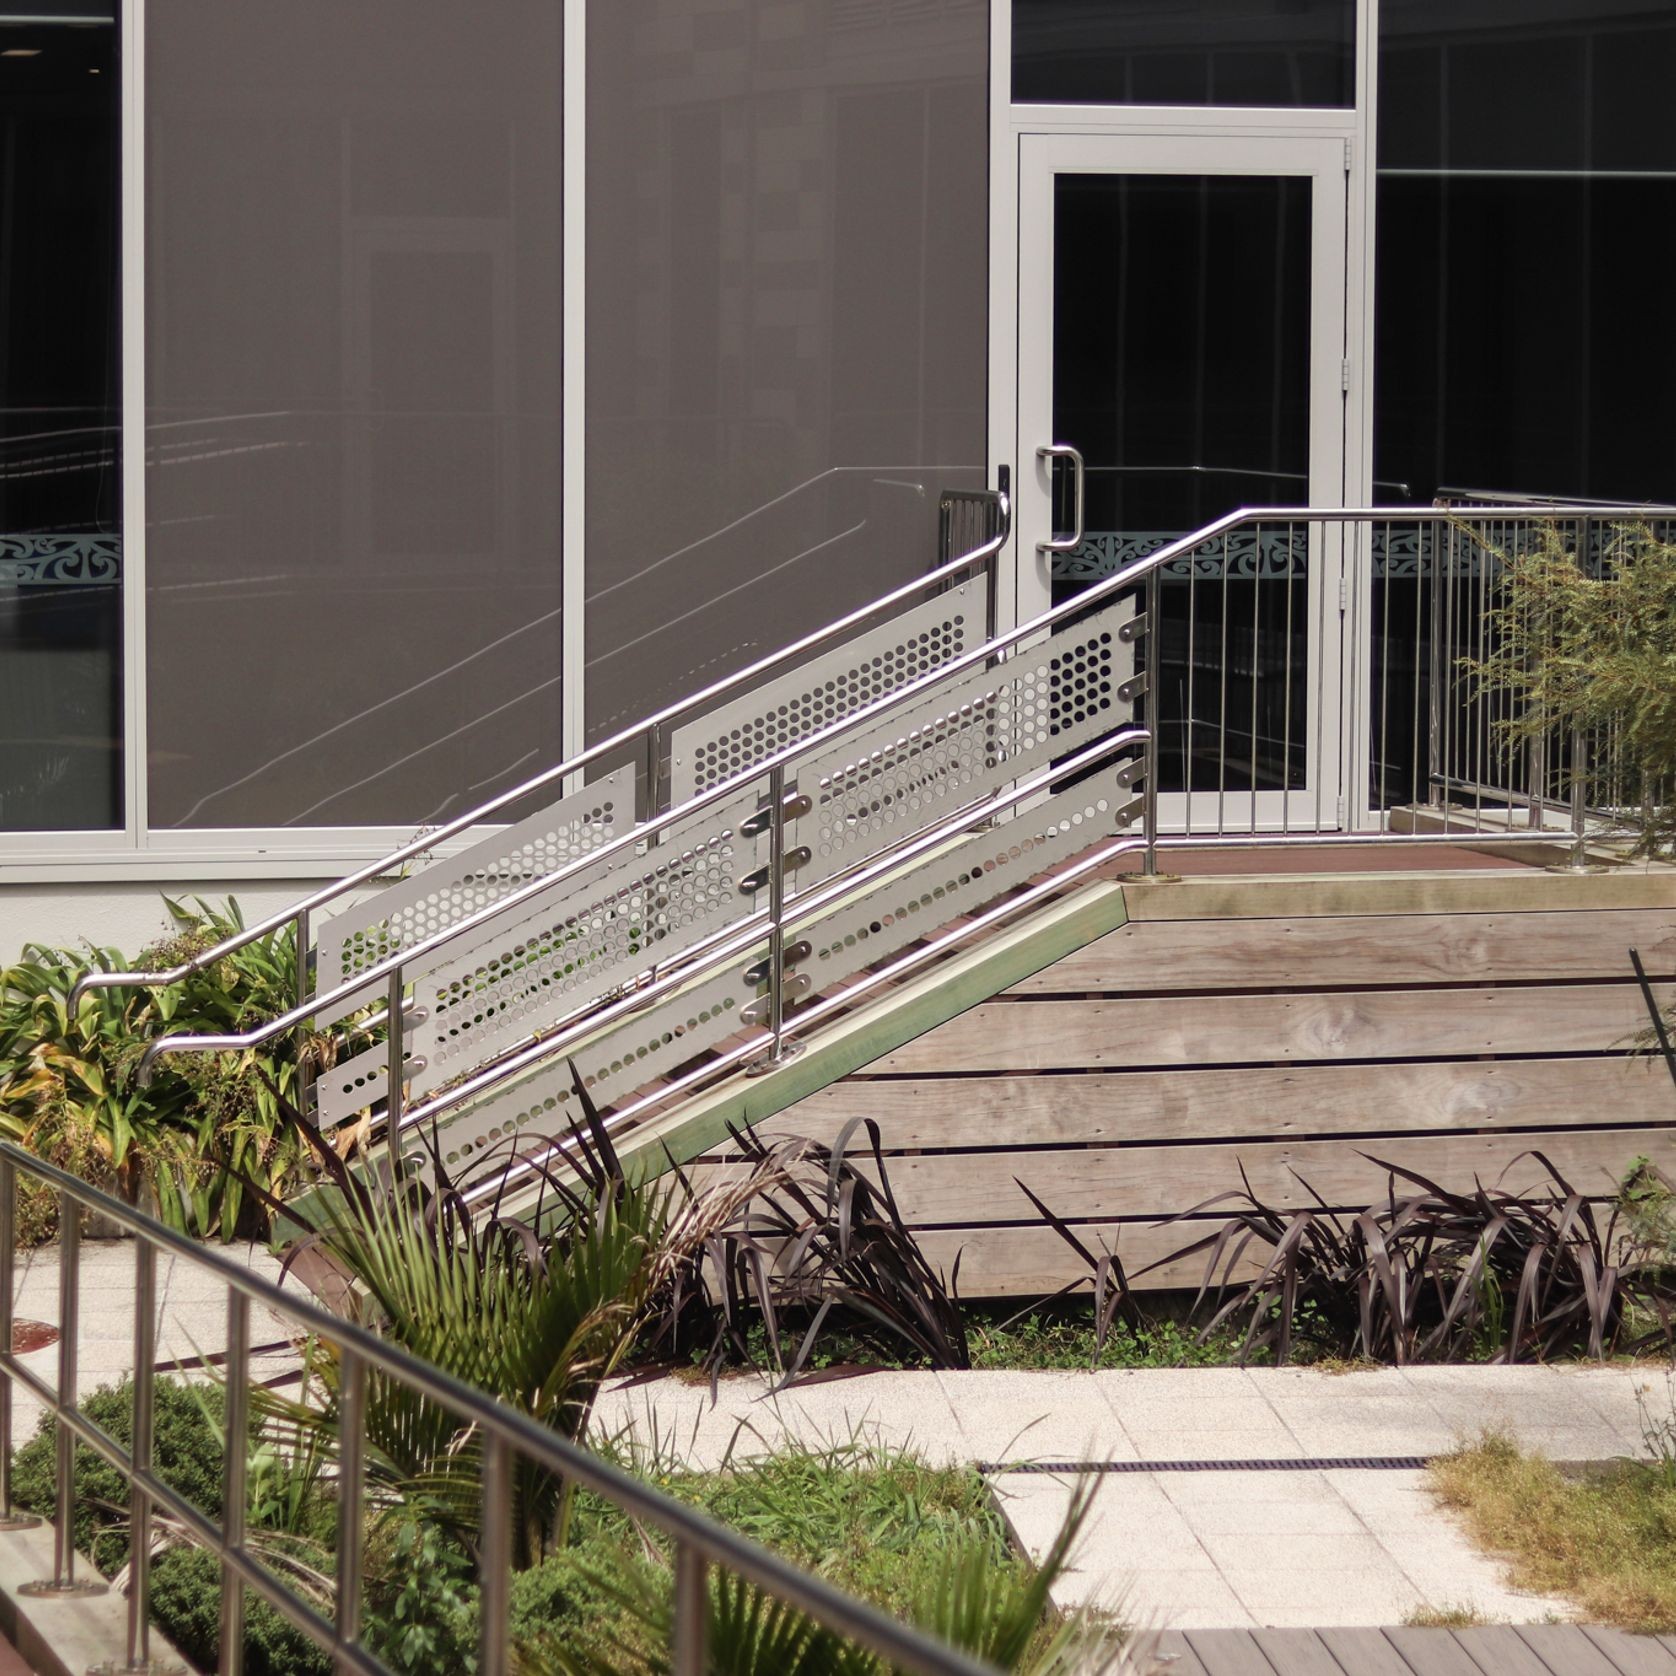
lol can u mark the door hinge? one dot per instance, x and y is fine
(1344, 374)
(1343, 595)
(1340, 812)
(1349, 155)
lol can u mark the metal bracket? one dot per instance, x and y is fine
(753, 882)
(799, 984)
(1130, 813)
(796, 804)
(1129, 773)
(795, 954)
(1133, 629)
(1132, 689)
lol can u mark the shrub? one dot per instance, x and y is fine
(205, 1127)
(1593, 648)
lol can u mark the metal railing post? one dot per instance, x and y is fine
(305, 1070)
(1434, 675)
(63, 1581)
(690, 1630)
(10, 1520)
(235, 1465)
(352, 1394)
(395, 1072)
(1154, 703)
(495, 1557)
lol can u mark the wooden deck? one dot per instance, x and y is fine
(1287, 1026)
(1498, 1650)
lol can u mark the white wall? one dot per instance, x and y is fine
(126, 915)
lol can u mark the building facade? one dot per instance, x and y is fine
(399, 395)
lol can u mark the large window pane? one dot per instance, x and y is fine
(60, 489)
(1184, 52)
(354, 338)
(786, 321)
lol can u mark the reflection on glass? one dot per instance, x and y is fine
(787, 322)
(1185, 384)
(60, 495)
(1525, 342)
(1191, 52)
(354, 335)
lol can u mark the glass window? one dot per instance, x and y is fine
(60, 484)
(787, 295)
(1184, 52)
(353, 358)
(1526, 237)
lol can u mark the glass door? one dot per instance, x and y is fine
(1181, 354)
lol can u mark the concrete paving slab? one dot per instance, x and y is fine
(1279, 1596)
(1035, 1416)
(1272, 1504)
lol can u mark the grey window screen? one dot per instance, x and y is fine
(354, 393)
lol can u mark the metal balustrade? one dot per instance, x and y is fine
(1283, 675)
(697, 1542)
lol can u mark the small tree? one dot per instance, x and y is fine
(1590, 647)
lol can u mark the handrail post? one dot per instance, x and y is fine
(495, 1556)
(1154, 703)
(1578, 860)
(10, 1520)
(779, 1050)
(395, 1069)
(689, 1632)
(352, 1395)
(235, 1465)
(305, 1069)
(63, 1581)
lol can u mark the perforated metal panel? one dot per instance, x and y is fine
(964, 742)
(447, 890)
(527, 971)
(644, 1047)
(829, 687)
(973, 874)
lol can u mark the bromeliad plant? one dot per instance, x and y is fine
(204, 1127)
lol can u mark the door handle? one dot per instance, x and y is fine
(1064, 451)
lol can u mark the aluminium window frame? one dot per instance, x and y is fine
(134, 850)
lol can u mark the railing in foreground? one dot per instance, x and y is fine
(698, 1543)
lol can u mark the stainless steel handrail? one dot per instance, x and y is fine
(699, 1542)
(646, 733)
(389, 970)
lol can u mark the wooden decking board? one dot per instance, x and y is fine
(1433, 1652)
(1229, 1655)
(1490, 1650)
(1634, 1655)
(1516, 891)
(1365, 1652)
(1364, 949)
(1498, 1651)
(979, 1187)
(1221, 1103)
(1147, 1033)
(1566, 1651)
(1297, 1652)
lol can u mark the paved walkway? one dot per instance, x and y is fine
(1229, 1501)
(192, 1316)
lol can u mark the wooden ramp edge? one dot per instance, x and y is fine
(883, 1026)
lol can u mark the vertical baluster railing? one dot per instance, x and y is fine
(1152, 650)
(139, 1502)
(234, 1480)
(494, 1600)
(10, 1518)
(352, 1400)
(689, 1630)
(64, 1581)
